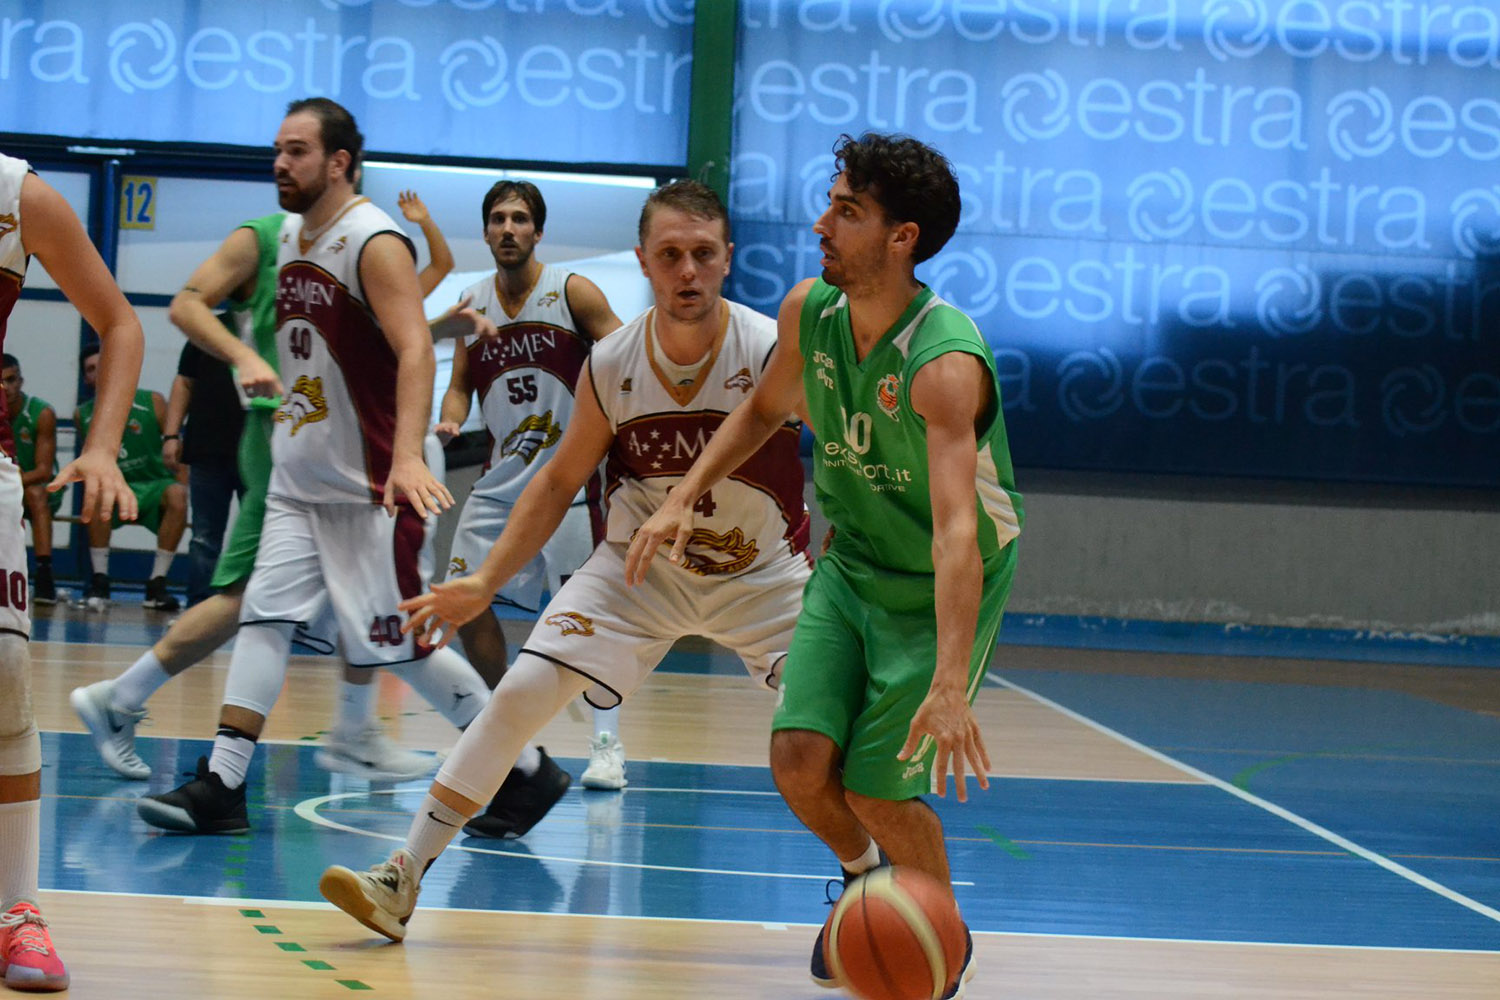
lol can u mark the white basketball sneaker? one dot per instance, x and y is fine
(606, 768)
(372, 755)
(113, 732)
(382, 898)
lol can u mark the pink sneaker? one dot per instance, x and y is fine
(26, 954)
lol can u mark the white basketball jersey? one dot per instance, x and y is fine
(756, 511)
(525, 379)
(12, 261)
(336, 425)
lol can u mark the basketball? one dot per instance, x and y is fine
(895, 935)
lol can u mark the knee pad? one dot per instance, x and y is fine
(16, 719)
(257, 668)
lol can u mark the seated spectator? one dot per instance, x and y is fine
(33, 425)
(162, 499)
(205, 407)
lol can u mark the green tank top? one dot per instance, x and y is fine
(870, 458)
(140, 447)
(254, 319)
(23, 425)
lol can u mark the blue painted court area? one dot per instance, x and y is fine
(1050, 857)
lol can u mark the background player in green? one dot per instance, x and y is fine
(912, 469)
(33, 424)
(163, 500)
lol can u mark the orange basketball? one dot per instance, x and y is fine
(895, 935)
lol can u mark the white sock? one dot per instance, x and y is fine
(143, 678)
(432, 829)
(162, 564)
(865, 862)
(530, 760)
(607, 720)
(356, 708)
(231, 757)
(100, 559)
(448, 683)
(20, 849)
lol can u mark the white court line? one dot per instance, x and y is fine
(1270, 807)
(308, 810)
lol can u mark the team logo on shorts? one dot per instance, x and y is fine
(727, 553)
(627, 385)
(536, 432)
(887, 394)
(546, 300)
(571, 623)
(914, 770)
(7, 224)
(304, 404)
(741, 380)
(457, 565)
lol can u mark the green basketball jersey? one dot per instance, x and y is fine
(870, 459)
(23, 425)
(140, 447)
(254, 318)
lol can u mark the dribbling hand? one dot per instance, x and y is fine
(946, 717)
(434, 617)
(410, 480)
(672, 523)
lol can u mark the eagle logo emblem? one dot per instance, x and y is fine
(532, 435)
(571, 623)
(741, 380)
(457, 565)
(304, 405)
(888, 395)
(546, 300)
(339, 245)
(627, 385)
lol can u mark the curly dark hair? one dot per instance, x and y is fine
(911, 181)
(690, 197)
(524, 190)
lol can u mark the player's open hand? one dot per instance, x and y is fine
(461, 320)
(411, 481)
(259, 379)
(946, 719)
(412, 207)
(673, 524)
(104, 489)
(446, 430)
(434, 617)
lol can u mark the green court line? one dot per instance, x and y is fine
(268, 928)
(1243, 778)
(318, 964)
(255, 914)
(289, 946)
(1008, 846)
(353, 984)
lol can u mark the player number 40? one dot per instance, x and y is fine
(299, 342)
(386, 631)
(12, 590)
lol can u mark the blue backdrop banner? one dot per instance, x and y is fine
(1250, 237)
(554, 80)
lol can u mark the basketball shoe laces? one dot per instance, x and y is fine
(28, 932)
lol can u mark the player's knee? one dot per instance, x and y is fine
(17, 725)
(175, 499)
(35, 498)
(802, 758)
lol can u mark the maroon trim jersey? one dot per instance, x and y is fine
(12, 264)
(754, 513)
(335, 429)
(525, 378)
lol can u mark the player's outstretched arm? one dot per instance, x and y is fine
(538, 511)
(950, 393)
(439, 256)
(52, 233)
(389, 277)
(777, 398)
(232, 269)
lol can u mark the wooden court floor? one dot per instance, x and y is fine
(1128, 846)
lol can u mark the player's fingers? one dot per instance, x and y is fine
(117, 489)
(913, 737)
(389, 500)
(679, 544)
(638, 558)
(958, 777)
